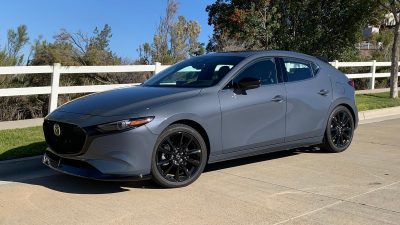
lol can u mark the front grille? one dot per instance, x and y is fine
(70, 140)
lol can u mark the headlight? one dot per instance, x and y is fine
(124, 124)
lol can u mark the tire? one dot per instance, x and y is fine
(339, 130)
(179, 156)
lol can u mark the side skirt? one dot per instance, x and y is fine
(265, 149)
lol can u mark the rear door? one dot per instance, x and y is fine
(309, 96)
(257, 117)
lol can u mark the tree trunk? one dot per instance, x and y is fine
(395, 63)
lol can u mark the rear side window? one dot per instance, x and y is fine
(297, 70)
(262, 70)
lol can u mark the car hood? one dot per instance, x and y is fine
(126, 101)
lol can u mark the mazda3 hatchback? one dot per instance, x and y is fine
(203, 110)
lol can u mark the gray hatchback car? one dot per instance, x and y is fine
(203, 110)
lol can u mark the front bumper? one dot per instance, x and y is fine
(83, 169)
(104, 156)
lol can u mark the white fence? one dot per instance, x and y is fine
(56, 70)
(371, 75)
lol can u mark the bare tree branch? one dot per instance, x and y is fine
(77, 44)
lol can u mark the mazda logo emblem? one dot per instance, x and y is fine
(57, 130)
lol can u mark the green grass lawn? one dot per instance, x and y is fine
(18, 143)
(26, 142)
(375, 101)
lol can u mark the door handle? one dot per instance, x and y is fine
(323, 92)
(277, 98)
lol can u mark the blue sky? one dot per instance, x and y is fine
(132, 21)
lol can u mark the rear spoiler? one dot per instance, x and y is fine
(322, 58)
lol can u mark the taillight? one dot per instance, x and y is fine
(351, 83)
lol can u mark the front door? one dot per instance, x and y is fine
(256, 117)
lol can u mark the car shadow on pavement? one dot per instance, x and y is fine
(32, 149)
(263, 157)
(250, 160)
(75, 185)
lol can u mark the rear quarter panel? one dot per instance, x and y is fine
(343, 93)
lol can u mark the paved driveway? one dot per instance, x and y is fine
(359, 186)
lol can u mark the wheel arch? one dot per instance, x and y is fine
(351, 111)
(199, 128)
(350, 105)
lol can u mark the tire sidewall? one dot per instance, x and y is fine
(157, 177)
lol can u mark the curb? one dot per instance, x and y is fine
(6, 125)
(369, 91)
(376, 113)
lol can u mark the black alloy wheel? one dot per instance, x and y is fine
(179, 157)
(339, 131)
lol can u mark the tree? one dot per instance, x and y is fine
(69, 49)
(384, 41)
(325, 28)
(144, 51)
(174, 40)
(250, 23)
(393, 6)
(76, 48)
(11, 55)
(79, 49)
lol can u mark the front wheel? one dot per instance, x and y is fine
(339, 131)
(179, 156)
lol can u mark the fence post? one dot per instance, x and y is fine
(158, 67)
(55, 84)
(336, 64)
(373, 71)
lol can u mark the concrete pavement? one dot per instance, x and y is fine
(358, 186)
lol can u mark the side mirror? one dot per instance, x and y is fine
(246, 83)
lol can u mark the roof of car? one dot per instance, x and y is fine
(265, 52)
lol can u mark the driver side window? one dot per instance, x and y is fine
(263, 70)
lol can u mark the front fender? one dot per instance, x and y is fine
(203, 109)
(159, 124)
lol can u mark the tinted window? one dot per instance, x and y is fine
(263, 70)
(203, 71)
(297, 70)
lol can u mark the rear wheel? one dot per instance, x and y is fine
(339, 131)
(179, 156)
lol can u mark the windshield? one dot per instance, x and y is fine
(203, 71)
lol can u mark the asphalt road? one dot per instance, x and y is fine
(359, 186)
